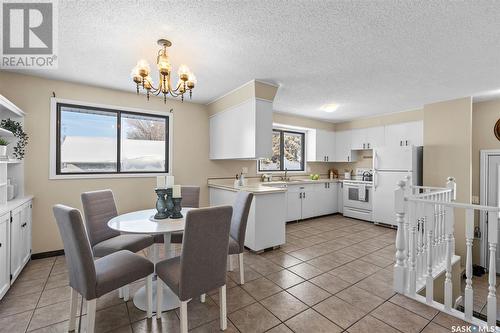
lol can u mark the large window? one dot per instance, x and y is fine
(92, 140)
(288, 152)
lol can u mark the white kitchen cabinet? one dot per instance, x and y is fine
(4, 254)
(367, 138)
(320, 145)
(374, 137)
(404, 134)
(243, 131)
(294, 203)
(340, 197)
(326, 197)
(343, 150)
(310, 200)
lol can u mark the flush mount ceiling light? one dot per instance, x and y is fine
(186, 80)
(329, 107)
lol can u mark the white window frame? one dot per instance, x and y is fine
(53, 144)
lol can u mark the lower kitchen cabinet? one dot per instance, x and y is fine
(15, 240)
(310, 200)
(4, 254)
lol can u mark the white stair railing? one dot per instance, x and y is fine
(425, 247)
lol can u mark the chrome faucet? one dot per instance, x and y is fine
(285, 178)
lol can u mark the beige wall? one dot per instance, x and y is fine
(392, 118)
(447, 152)
(484, 117)
(232, 98)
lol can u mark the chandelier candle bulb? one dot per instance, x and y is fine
(176, 193)
(160, 181)
(170, 181)
(140, 75)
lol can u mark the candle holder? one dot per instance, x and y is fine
(169, 203)
(176, 212)
(161, 204)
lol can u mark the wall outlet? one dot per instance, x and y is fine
(244, 170)
(475, 200)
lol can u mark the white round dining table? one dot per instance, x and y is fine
(142, 222)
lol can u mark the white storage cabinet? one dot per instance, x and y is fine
(320, 146)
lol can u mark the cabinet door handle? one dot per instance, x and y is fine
(300, 195)
(347, 158)
(328, 158)
(0, 244)
(406, 142)
(23, 225)
(304, 195)
(368, 145)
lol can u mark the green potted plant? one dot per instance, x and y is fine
(3, 147)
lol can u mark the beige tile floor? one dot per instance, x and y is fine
(334, 274)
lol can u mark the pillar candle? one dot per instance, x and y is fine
(170, 181)
(160, 182)
(176, 192)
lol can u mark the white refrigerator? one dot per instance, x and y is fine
(390, 165)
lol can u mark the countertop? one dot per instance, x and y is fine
(274, 186)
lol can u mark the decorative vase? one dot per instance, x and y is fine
(161, 204)
(169, 203)
(176, 211)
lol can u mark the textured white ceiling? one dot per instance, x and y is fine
(371, 57)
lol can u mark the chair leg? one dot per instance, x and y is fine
(184, 317)
(73, 305)
(202, 298)
(149, 295)
(91, 307)
(230, 262)
(159, 297)
(126, 292)
(120, 292)
(223, 309)
(242, 268)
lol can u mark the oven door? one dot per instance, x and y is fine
(351, 197)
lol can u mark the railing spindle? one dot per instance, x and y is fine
(412, 245)
(399, 266)
(469, 236)
(448, 285)
(429, 224)
(492, 274)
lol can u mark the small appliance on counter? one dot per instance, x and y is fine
(364, 174)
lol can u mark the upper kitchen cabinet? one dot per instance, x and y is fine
(343, 150)
(405, 134)
(367, 138)
(243, 131)
(320, 146)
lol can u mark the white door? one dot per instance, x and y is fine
(358, 139)
(343, 146)
(25, 233)
(375, 137)
(384, 185)
(331, 198)
(309, 202)
(16, 243)
(340, 198)
(293, 204)
(394, 135)
(493, 188)
(4, 254)
(393, 158)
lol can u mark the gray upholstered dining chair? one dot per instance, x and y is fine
(203, 262)
(241, 209)
(190, 198)
(92, 279)
(99, 207)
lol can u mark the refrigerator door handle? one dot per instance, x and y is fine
(375, 180)
(375, 160)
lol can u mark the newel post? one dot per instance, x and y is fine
(452, 185)
(399, 267)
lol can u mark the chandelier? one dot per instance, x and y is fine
(140, 75)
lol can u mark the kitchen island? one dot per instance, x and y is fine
(266, 220)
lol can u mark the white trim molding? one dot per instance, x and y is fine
(53, 135)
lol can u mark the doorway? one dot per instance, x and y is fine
(490, 196)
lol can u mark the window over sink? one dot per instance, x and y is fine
(288, 152)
